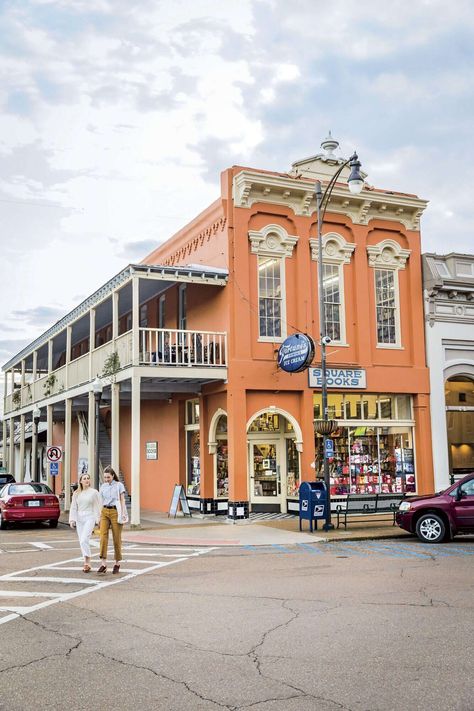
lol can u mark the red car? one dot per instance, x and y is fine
(29, 502)
(439, 517)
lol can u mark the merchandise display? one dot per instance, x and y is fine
(222, 469)
(369, 460)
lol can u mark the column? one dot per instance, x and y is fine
(115, 318)
(208, 504)
(91, 348)
(34, 450)
(35, 366)
(115, 433)
(23, 371)
(68, 355)
(238, 455)
(5, 447)
(51, 481)
(91, 435)
(21, 465)
(135, 320)
(67, 453)
(11, 452)
(135, 452)
(50, 356)
(424, 453)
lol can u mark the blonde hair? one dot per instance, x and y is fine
(80, 488)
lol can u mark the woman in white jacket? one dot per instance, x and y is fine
(84, 515)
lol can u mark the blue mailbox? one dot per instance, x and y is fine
(313, 502)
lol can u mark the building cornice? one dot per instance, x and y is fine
(251, 187)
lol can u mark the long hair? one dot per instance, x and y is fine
(109, 470)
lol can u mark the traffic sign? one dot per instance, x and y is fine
(54, 468)
(54, 454)
(329, 449)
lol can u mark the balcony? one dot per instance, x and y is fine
(173, 347)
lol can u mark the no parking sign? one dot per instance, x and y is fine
(54, 453)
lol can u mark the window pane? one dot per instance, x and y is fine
(386, 409)
(332, 301)
(404, 407)
(269, 290)
(385, 300)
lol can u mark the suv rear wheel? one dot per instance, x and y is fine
(430, 528)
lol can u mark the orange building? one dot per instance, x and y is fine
(185, 344)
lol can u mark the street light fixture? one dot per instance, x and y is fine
(97, 388)
(34, 455)
(326, 426)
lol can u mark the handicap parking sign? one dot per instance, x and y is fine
(54, 468)
(329, 449)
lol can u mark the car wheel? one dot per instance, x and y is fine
(3, 523)
(430, 528)
(53, 523)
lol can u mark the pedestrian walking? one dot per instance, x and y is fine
(84, 515)
(113, 515)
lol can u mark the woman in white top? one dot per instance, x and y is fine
(84, 515)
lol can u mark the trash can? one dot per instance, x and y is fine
(313, 502)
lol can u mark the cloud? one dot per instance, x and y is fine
(39, 316)
(135, 251)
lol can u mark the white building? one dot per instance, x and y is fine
(449, 311)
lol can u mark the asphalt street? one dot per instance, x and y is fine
(353, 625)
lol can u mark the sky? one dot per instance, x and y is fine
(117, 117)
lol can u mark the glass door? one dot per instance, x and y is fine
(265, 473)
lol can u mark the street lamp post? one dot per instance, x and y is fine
(325, 426)
(34, 454)
(97, 388)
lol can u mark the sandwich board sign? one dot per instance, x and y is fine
(179, 497)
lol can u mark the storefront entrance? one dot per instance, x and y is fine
(273, 463)
(265, 479)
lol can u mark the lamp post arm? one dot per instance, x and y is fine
(329, 187)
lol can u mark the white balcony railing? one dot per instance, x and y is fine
(165, 346)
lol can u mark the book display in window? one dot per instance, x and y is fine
(222, 469)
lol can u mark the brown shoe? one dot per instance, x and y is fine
(102, 569)
(116, 569)
(86, 569)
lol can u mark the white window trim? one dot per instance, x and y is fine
(338, 252)
(273, 241)
(391, 256)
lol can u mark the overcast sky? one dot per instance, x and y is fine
(117, 117)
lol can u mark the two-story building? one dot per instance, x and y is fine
(185, 344)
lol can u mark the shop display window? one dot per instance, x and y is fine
(292, 468)
(370, 460)
(192, 412)
(222, 469)
(194, 462)
(266, 422)
(266, 476)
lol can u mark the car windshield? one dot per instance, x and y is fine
(41, 488)
(27, 489)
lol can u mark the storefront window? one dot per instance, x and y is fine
(192, 412)
(266, 422)
(370, 460)
(222, 468)
(335, 406)
(292, 468)
(403, 407)
(194, 463)
(385, 405)
(369, 407)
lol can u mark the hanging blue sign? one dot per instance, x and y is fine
(329, 449)
(296, 353)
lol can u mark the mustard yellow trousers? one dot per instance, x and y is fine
(109, 519)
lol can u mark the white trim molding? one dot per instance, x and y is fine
(272, 240)
(335, 249)
(388, 254)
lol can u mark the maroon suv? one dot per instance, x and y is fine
(439, 517)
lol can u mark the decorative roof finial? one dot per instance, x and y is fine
(330, 145)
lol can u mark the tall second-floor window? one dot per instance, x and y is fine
(182, 307)
(332, 300)
(270, 296)
(386, 303)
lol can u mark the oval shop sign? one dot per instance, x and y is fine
(296, 353)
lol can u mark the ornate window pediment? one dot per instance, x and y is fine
(272, 240)
(335, 249)
(388, 254)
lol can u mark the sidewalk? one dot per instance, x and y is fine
(199, 531)
(157, 528)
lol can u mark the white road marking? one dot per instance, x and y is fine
(42, 546)
(89, 585)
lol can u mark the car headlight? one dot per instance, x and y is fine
(404, 506)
